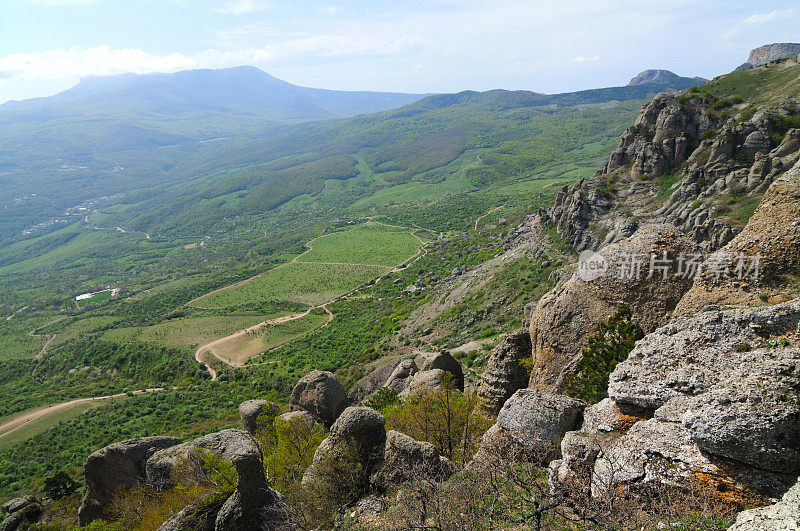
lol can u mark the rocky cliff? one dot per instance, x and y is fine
(770, 52)
(700, 160)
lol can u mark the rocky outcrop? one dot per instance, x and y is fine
(530, 424)
(505, 373)
(377, 374)
(251, 410)
(782, 516)
(428, 361)
(406, 459)
(754, 263)
(424, 382)
(709, 400)
(321, 394)
(565, 318)
(120, 465)
(770, 52)
(20, 513)
(682, 135)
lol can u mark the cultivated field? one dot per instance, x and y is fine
(370, 244)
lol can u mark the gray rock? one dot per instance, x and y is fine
(20, 512)
(782, 516)
(427, 361)
(401, 375)
(226, 443)
(296, 416)
(250, 410)
(321, 394)
(504, 373)
(118, 465)
(377, 374)
(406, 459)
(532, 423)
(423, 382)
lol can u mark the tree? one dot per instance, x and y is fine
(611, 344)
(59, 485)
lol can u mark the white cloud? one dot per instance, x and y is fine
(758, 19)
(331, 9)
(240, 7)
(582, 59)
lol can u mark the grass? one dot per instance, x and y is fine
(97, 297)
(307, 283)
(187, 332)
(42, 424)
(372, 243)
(768, 85)
(240, 349)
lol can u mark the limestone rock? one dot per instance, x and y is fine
(296, 416)
(402, 375)
(406, 459)
(20, 512)
(321, 394)
(226, 443)
(782, 516)
(531, 421)
(251, 409)
(424, 381)
(504, 373)
(377, 374)
(118, 465)
(771, 52)
(773, 234)
(428, 361)
(567, 316)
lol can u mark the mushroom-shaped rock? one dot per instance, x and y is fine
(427, 361)
(505, 373)
(756, 261)
(118, 465)
(321, 394)
(251, 411)
(531, 423)
(620, 273)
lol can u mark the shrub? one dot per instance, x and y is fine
(59, 485)
(611, 344)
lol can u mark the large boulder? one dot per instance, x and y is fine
(505, 373)
(424, 382)
(251, 410)
(376, 375)
(773, 235)
(402, 375)
(20, 513)
(321, 394)
(226, 443)
(406, 459)
(707, 401)
(782, 516)
(428, 361)
(532, 423)
(565, 318)
(117, 466)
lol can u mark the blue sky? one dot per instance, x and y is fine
(412, 46)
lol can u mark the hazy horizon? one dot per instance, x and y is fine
(430, 47)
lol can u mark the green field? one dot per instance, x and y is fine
(241, 348)
(187, 332)
(308, 283)
(371, 243)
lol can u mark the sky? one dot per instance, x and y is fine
(46, 46)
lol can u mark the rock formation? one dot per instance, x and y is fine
(321, 394)
(119, 465)
(782, 516)
(250, 410)
(407, 459)
(530, 423)
(20, 512)
(565, 318)
(709, 399)
(505, 373)
(770, 52)
(658, 76)
(767, 249)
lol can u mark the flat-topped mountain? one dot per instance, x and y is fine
(664, 77)
(770, 52)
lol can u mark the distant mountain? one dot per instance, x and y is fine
(243, 91)
(770, 52)
(665, 77)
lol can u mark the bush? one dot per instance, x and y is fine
(611, 344)
(59, 485)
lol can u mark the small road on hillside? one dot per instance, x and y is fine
(22, 419)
